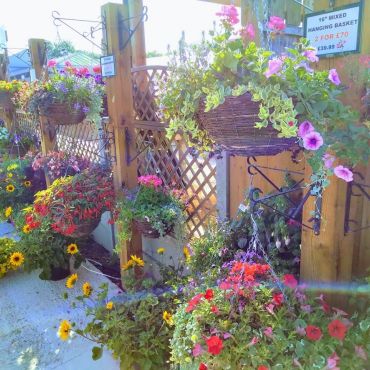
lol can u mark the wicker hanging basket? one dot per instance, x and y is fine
(232, 126)
(62, 114)
(6, 101)
(148, 231)
(84, 229)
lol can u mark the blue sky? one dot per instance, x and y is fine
(26, 19)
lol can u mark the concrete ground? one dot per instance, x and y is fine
(30, 312)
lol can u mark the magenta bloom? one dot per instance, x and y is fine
(311, 55)
(268, 332)
(276, 24)
(150, 180)
(334, 77)
(52, 63)
(343, 173)
(274, 67)
(328, 160)
(305, 128)
(197, 350)
(230, 13)
(248, 32)
(312, 141)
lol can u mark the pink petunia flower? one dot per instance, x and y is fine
(253, 342)
(197, 350)
(332, 362)
(274, 66)
(334, 77)
(290, 281)
(311, 55)
(360, 352)
(313, 141)
(328, 160)
(268, 332)
(276, 24)
(305, 128)
(248, 32)
(230, 13)
(343, 173)
(52, 63)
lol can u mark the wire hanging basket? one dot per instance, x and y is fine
(62, 114)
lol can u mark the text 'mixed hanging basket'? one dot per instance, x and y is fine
(62, 114)
(232, 126)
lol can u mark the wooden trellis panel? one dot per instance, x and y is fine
(171, 159)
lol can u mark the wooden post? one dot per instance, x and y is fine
(331, 256)
(138, 38)
(120, 107)
(37, 48)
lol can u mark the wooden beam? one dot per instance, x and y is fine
(138, 38)
(120, 107)
(37, 48)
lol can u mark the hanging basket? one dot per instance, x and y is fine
(148, 231)
(232, 126)
(6, 101)
(62, 114)
(85, 229)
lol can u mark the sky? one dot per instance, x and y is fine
(24, 19)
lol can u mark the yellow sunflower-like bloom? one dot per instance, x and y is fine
(186, 253)
(167, 317)
(27, 183)
(137, 260)
(64, 330)
(109, 305)
(71, 281)
(8, 211)
(129, 265)
(86, 289)
(72, 248)
(161, 250)
(12, 167)
(10, 188)
(26, 229)
(16, 259)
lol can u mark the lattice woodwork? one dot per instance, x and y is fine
(28, 125)
(172, 160)
(86, 140)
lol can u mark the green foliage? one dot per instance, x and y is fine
(59, 49)
(7, 248)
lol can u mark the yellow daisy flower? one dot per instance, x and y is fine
(127, 266)
(8, 212)
(10, 188)
(16, 259)
(27, 183)
(26, 229)
(167, 317)
(109, 305)
(137, 261)
(87, 289)
(71, 281)
(9, 175)
(186, 253)
(72, 248)
(161, 250)
(64, 330)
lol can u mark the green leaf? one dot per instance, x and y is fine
(97, 353)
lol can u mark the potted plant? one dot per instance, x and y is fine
(227, 93)
(66, 97)
(76, 203)
(10, 257)
(7, 90)
(155, 209)
(59, 164)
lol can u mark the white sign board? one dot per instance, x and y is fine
(335, 32)
(108, 66)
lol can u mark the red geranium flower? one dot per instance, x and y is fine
(194, 302)
(209, 294)
(215, 344)
(290, 281)
(337, 329)
(215, 309)
(313, 332)
(278, 298)
(203, 366)
(262, 367)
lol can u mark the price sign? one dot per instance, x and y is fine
(107, 66)
(335, 32)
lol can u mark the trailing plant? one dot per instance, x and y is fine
(74, 200)
(10, 256)
(59, 164)
(297, 101)
(163, 208)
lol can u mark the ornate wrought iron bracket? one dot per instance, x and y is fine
(128, 140)
(363, 190)
(295, 208)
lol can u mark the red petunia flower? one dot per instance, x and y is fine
(203, 366)
(215, 309)
(337, 329)
(215, 345)
(313, 332)
(290, 281)
(278, 299)
(262, 367)
(209, 294)
(193, 302)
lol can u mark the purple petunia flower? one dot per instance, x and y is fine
(343, 173)
(328, 160)
(85, 109)
(76, 106)
(304, 128)
(62, 87)
(334, 77)
(313, 141)
(311, 55)
(274, 67)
